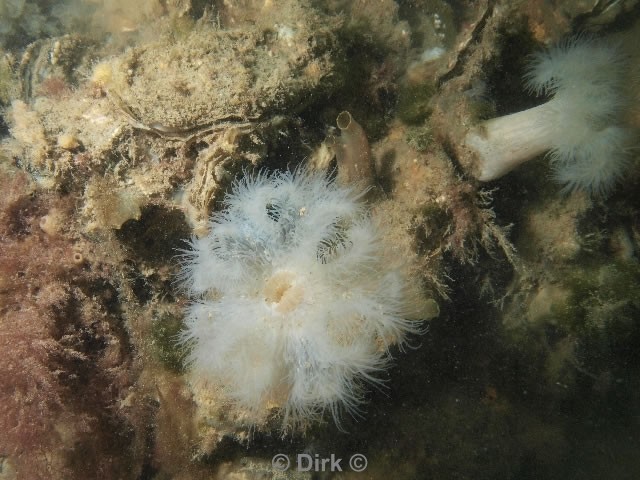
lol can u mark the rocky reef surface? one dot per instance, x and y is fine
(123, 126)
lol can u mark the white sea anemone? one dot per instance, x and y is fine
(296, 303)
(580, 126)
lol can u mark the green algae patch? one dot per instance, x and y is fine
(413, 102)
(165, 335)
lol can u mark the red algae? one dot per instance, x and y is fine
(64, 363)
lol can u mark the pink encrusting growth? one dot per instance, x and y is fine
(581, 127)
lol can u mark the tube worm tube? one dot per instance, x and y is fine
(355, 164)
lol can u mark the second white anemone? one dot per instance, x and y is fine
(580, 126)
